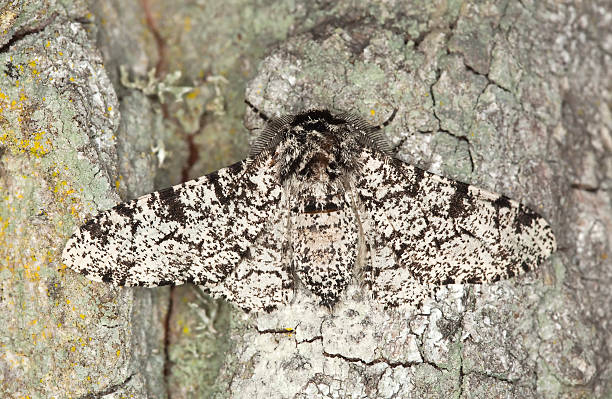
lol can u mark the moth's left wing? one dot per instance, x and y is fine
(224, 231)
(427, 229)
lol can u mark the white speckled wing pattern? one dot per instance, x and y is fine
(224, 231)
(318, 203)
(423, 229)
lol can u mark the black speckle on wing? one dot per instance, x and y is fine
(502, 202)
(457, 206)
(97, 231)
(415, 184)
(125, 210)
(510, 270)
(220, 195)
(172, 207)
(525, 218)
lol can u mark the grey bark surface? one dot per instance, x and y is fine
(510, 96)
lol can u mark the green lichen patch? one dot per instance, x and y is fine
(58, 115)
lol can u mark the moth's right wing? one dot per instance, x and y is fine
(427, 230)
(225, 231)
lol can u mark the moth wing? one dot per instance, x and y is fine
(223, 231)
(422, 228)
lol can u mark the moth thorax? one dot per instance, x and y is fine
(318, 189)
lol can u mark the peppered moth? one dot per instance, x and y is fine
(319, 202)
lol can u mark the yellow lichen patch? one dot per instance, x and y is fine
(38, 145)
(4, 224)
(193, 93)
(372, 112)
(20, 139)
(20, 262)
(64, 192)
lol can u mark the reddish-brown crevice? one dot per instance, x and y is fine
(192, 157)
(161, 69)
(162, 64)
(167, 332)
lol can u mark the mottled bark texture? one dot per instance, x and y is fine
(511, 96)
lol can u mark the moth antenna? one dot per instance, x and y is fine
(257, 111)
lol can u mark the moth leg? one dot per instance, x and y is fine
(387, 122)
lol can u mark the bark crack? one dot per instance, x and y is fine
(440, 129)
(310, 340)
(287, 330)
(27, 32)
(461, 373)
(585, 187)
(111, 389)
(371, 362)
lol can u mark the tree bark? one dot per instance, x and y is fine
(510, 96)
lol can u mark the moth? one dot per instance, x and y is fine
(320, 202)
